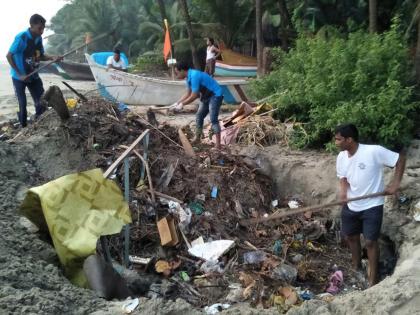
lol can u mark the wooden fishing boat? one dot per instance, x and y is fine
(236, 65)
(134, 89)
(70, 70)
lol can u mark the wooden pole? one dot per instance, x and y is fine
(288, 212)
(66, 54)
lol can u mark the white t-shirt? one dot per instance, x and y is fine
(364, 173)
(120, 64)
(210, 53)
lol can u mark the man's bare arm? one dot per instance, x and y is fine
(9, 58)
(344, 185)
(191, 98)
(398, 174)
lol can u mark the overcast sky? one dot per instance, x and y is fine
(15, 18)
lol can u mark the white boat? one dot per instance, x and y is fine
(134, 89)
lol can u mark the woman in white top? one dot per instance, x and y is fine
(212, 53)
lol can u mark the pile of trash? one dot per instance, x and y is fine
(188, 238)
(250, 125)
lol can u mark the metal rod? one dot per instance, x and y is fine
(145, 146)
(127, 198)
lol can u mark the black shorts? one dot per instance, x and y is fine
(368, 222)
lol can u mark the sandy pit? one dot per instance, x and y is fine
(32, 282)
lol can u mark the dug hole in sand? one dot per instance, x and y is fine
(31, 280)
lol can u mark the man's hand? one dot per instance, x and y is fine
(392, 189)
(179, 107)
(58, 58)
(343, 197)
(23, 78)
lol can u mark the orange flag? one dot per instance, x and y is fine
(167, 49)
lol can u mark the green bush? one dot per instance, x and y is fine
(361, 78)
(149, 63)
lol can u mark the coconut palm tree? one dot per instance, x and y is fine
(373, 16)
(259, 36)
(184, 8)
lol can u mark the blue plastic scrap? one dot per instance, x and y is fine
(277, 248)
(214, 192)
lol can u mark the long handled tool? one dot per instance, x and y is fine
(68, 53)
(288, 212)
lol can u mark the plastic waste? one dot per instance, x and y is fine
(277, 248)
(216, 308)
(71, 102)
(212, 266)
(196, 207)
(306, 295)
(184, 276)
(184, 214)
(254, 257)
(214, 192)
(336, 281)
(130, 306)
(284, 272)
(122, 107)
(297, 258)
(211, 250)
(293, 204)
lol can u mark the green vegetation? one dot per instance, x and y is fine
(335, 60)
(332, 78)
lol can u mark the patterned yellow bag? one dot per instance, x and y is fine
(76, 210)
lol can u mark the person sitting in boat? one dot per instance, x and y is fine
(200, 84)
(116, 62)
(212, 53)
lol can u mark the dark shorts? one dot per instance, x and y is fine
(210, 67)
(368, 222)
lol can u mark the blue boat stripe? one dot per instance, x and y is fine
(227, 95)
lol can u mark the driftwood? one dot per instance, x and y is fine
(185, 143)
(125, 153)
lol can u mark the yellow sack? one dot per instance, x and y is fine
(76, 210)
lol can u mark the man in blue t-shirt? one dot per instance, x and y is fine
(200, 84)
(24, 56)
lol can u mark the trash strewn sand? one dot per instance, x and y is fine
(31, 282)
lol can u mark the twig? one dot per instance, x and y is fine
(149, 176)
(125, 154)
(250, 245)
(159, 194)
(155, 128)
(186, 259)
(185, 239)
(187, 287)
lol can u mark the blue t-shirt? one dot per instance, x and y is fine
(201, 83)
(26, 51)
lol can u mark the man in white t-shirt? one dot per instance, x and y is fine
(360, 170)
(116, 62)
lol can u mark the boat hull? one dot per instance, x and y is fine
(132, 89)
(226, 70)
